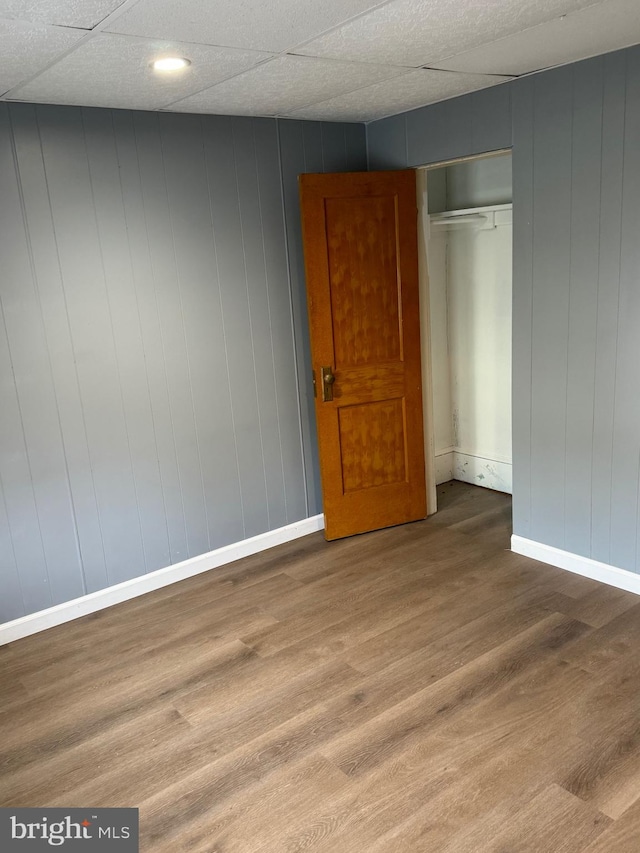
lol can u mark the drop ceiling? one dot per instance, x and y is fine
(334, 60)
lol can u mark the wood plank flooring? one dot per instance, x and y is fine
(416, 689)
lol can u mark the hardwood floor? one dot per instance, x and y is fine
(420, 688)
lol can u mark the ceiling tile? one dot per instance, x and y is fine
(27, 48)
(67, 13)
(114, 71)
(597, 29)
(413, 89)
(274, 26)
(419, 32)
(284, 84)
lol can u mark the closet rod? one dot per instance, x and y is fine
(447, 220)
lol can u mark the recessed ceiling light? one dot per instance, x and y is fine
(170, 63)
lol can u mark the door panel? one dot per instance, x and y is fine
(365, 307)
(360, 240)
(372, 443)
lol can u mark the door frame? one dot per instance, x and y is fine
(425, 314)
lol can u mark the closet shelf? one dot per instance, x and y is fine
(446, 219)
(480, 217)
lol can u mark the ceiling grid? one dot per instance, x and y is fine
(335, 60)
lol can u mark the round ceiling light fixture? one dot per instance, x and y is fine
(170, 63)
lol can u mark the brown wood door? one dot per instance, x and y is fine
(361, 258)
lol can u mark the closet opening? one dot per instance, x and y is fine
(465, 235)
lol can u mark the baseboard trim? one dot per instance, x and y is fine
(620, 578)
(482, 471)
(444, 467)
(69, 610)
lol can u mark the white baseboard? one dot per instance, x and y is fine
(480, 471)
(452, 463)
(43, 619)
(621, 578)
(444, 466)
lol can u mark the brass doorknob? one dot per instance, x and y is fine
(328, 378)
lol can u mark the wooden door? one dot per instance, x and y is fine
(360, 244)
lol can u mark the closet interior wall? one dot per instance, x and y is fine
(469, 245)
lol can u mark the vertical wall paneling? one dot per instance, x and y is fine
(576, 302)
(32, 461)
(64, 371)
(491, 118)
(625, 475)
(227, 226)
(428, 139)
(279, 310)
(611, 182)
(143, 252)
(343, 146)
(334, 145)
(79, 249)
(259, 318)
(313, 148)
(207, 444)
(523, 213)
(292, 160)
(21, 510)
(184, 293)
(387, 143)
(150, 405)
(356, 143)
(39, 410)
(586, 158)
(11, 601)
(102, 156)
(552, 144)
(460, 127)
(150, 252)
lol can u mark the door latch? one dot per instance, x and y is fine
(328, 379)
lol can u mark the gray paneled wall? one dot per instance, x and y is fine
(472, 124)
(148, 358)
(155, 385)
(576, 303)
(577, 274)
